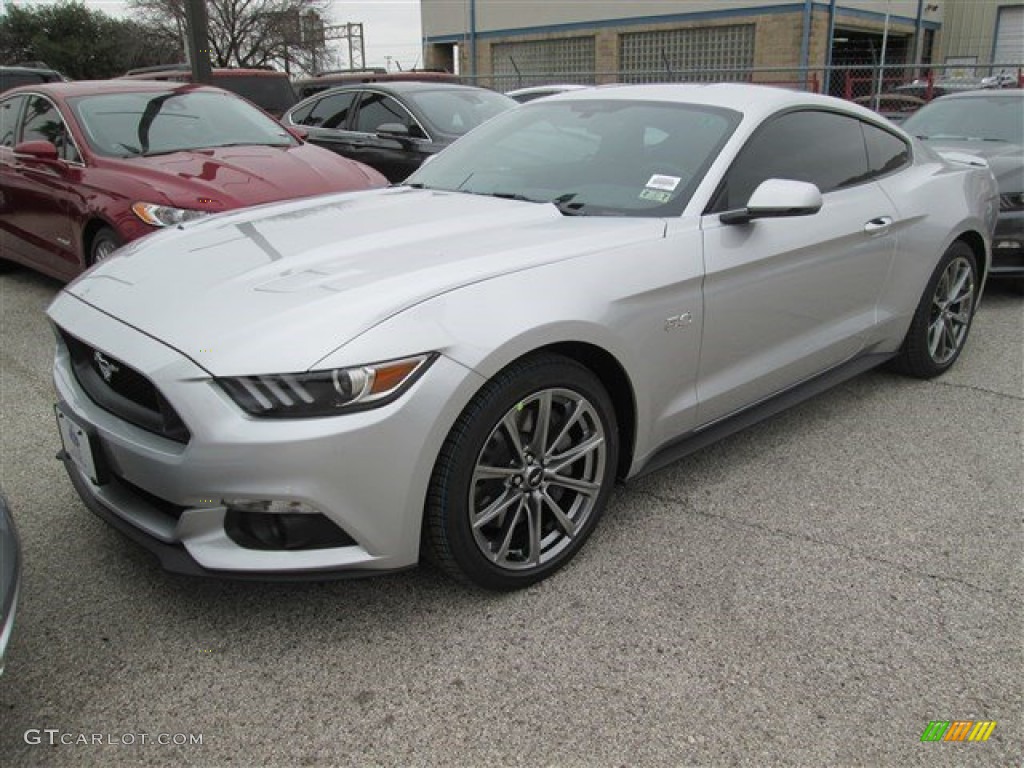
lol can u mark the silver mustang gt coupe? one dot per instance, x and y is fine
(461, 366)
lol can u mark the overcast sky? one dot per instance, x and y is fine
(390, 27)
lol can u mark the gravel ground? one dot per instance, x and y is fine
(810, 592)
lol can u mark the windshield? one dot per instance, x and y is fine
(456, 112)
(590, 157)
(153, 123)
(977, 119)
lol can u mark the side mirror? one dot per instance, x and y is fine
(395, 131)
(298, 133)
(44, 151)
(777, 199)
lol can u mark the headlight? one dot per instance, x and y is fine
(325, 393)
(165, 216)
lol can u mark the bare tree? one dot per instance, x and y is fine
(248, 33)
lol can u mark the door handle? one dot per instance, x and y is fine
(878, 225)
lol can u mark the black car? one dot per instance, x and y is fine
(990, 125)
(12, 77)
(395, 126)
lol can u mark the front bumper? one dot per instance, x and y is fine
(366, 472)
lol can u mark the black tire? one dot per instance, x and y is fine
(104, 242)
(943, 317)
(481, 469)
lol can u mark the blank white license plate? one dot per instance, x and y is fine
(77, 445)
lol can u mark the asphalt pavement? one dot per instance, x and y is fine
(811, 592)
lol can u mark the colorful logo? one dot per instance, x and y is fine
(958, 730)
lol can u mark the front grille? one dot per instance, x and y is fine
(1011, 202)
(123, 391)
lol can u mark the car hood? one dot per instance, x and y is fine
(277, 288)
(230, 177)
(1006, 160)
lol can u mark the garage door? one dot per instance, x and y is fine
(1009, 48)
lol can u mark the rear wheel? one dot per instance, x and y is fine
(524, 475)
(943, 318)
(104, 243)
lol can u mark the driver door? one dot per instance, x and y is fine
(786, 299)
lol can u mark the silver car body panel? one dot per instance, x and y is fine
(704, 320)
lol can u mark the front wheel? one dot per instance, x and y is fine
(943, 317)
(524, 475)
(104, 243)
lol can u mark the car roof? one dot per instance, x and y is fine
(757, 101)
(405, 86)
(185, 71)
(985, 93)
(34, 70)
(95, 87)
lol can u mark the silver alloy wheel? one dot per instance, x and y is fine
(952, 305)
(103, 250)
(537, 479)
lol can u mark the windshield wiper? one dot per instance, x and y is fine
(943, 137)
(511, 196)
(565, 205)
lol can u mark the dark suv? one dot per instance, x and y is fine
(12, 77)
(266, 88)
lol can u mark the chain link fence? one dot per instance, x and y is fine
(892, 88)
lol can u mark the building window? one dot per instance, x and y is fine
(703, 53)
(533, 62)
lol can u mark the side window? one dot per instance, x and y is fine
(886, 152)
(822, 148)
(332, 111)
(301, 116)
(9, 109)
(375, 109)
(43, 122)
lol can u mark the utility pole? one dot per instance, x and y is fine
(198, 41)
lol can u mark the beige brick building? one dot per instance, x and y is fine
(508, 42)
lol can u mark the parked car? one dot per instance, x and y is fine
(1002, 80)
(922, 89)
(894, 106)
(268, 89)
(582, 289)
(394, 126)
(306, 87)
(10, 576)
(88, 166)
(12, 77)
(523, 95)
(988, 124)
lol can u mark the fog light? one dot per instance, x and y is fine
(271, 506)
(282, 532)
(1008, 244)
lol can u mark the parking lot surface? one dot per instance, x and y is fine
(813, 591)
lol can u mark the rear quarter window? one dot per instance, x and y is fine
(886, 151)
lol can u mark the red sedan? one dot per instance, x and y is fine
(88, 166)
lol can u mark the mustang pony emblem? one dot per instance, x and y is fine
(106, 368)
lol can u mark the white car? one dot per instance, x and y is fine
(579, 291)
